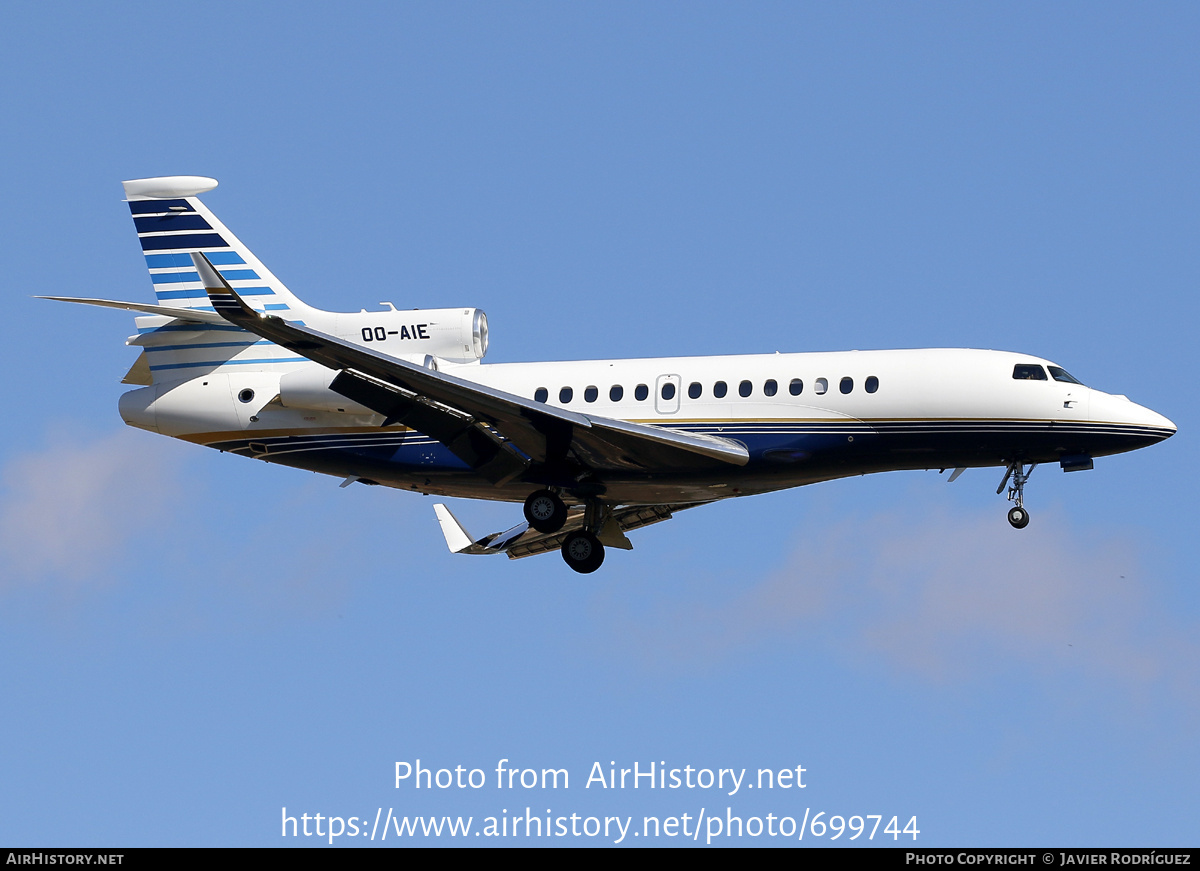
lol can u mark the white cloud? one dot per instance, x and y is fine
(942, 599)
(67, 512)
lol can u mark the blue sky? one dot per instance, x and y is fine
(190, 642)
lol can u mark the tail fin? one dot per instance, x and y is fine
(171, 222)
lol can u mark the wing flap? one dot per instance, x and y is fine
(521, 541)
(475, 444)
(540, 432)
(631, 517)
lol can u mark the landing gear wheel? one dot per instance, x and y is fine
(582, 551)
(1018, 517)
(545, 511)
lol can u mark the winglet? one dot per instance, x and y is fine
(457, 538)
(220, 292)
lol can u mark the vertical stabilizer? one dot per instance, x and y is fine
(171, 222)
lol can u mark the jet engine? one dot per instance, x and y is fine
(457, 335)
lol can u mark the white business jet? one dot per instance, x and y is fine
(593, 448)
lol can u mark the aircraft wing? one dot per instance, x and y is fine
(497, 433)
(522, 541)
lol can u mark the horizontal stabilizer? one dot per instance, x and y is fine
(183, 314)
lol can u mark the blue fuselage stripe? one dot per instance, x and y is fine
(213, 364)
(200, 345)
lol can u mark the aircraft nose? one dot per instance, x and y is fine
(1162, 422)
(1121, 409)
(1146, 417)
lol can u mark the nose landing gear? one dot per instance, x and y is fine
(1017, 515)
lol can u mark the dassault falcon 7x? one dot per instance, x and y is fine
(593, 448)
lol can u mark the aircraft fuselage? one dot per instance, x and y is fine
(803, 418)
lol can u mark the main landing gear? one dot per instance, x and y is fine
(581, 548)
(545, 511)
(1017, 515)
(582, 551)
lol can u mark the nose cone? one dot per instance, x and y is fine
(1157, 420)
(1139, 415)
(1135, 419)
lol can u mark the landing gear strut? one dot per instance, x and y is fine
(545, 511)
(1017, 515)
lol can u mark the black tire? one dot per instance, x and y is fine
(582, 551)
(545, 512)
(1018, 517)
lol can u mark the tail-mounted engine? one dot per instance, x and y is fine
(456, 335)
(420, 336)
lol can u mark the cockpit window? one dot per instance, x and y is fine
(1028, 372)
(1060, 374)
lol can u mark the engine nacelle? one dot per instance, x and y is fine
(458, 335)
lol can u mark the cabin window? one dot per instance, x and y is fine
(872, 384)
(771, 387)
(641, 392)
(745, 388)
(720, 389)
(1060, 374)
(796, 387)
(846, 385)
(1028, 372)
(590, 393)
(821, 387)
(616, 392)
(694, 390)
(564, 395)
(541, 394)
(668, 390)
